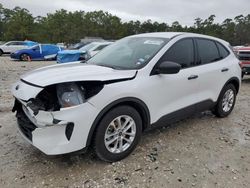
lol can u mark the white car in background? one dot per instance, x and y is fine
(138, 83)
(12, 46)
(84, 53)
(94, 47)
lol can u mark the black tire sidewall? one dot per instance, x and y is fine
(242, 75)
(99, 144)
(219, 110)
(21, 57)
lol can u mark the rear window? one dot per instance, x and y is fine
(208, 51)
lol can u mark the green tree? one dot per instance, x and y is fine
(19, 24)
(70, 27)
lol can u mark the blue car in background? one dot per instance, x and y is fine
(37, 52)
(71, 56)
(83, 53)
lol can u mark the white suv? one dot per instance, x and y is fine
(12, 46)
(135, 84)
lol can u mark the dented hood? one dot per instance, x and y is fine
(74, 72)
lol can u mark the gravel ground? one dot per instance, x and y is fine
(202, 151)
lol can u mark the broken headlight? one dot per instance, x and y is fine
(70, 94)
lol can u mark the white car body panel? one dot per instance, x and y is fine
(52, 139)
(162, 94)
(74, 72)
(25, 91)
(92, 51)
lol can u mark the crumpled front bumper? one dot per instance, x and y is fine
(54, 132)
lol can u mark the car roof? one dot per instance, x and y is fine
(170, 35)
(159, 34)
(48, 45)
(15, 41)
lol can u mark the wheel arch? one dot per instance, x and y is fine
(235, 81)
(20, 55)
(136, 103)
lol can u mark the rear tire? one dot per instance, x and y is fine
(226, 101)
(117, 134)
(1, 52)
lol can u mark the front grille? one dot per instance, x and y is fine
(25, 125)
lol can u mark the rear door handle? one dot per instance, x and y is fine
(192, 77)
(224, 70)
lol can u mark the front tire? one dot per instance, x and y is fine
(118, 134)
(25, 57)
(1, 52)
(226, 101)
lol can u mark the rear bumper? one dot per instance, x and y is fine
(245, 65)
(246, 69)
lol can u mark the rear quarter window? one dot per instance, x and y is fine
(208, 51)
(222, 50)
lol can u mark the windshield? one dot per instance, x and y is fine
(129, 53)
(87, 47)
(34, 47)
(79, 45)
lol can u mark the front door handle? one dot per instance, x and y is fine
(224, 70)
(192, 77)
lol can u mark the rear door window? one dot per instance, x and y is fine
(36, 48)
(181, 52)
(20, 43)
(10, 43)
(16, 43)
(208, 51)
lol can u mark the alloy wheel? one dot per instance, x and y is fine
(228, 100)
(120, 134)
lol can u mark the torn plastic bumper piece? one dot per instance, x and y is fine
(59, 132)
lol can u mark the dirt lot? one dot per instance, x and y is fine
(202, 151)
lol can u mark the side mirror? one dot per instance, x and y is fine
(167, 67)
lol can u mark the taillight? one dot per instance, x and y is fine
(240, 64)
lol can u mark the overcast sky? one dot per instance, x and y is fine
(184, 11)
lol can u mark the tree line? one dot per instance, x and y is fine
(70, 27)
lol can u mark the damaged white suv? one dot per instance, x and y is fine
(135, 84)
